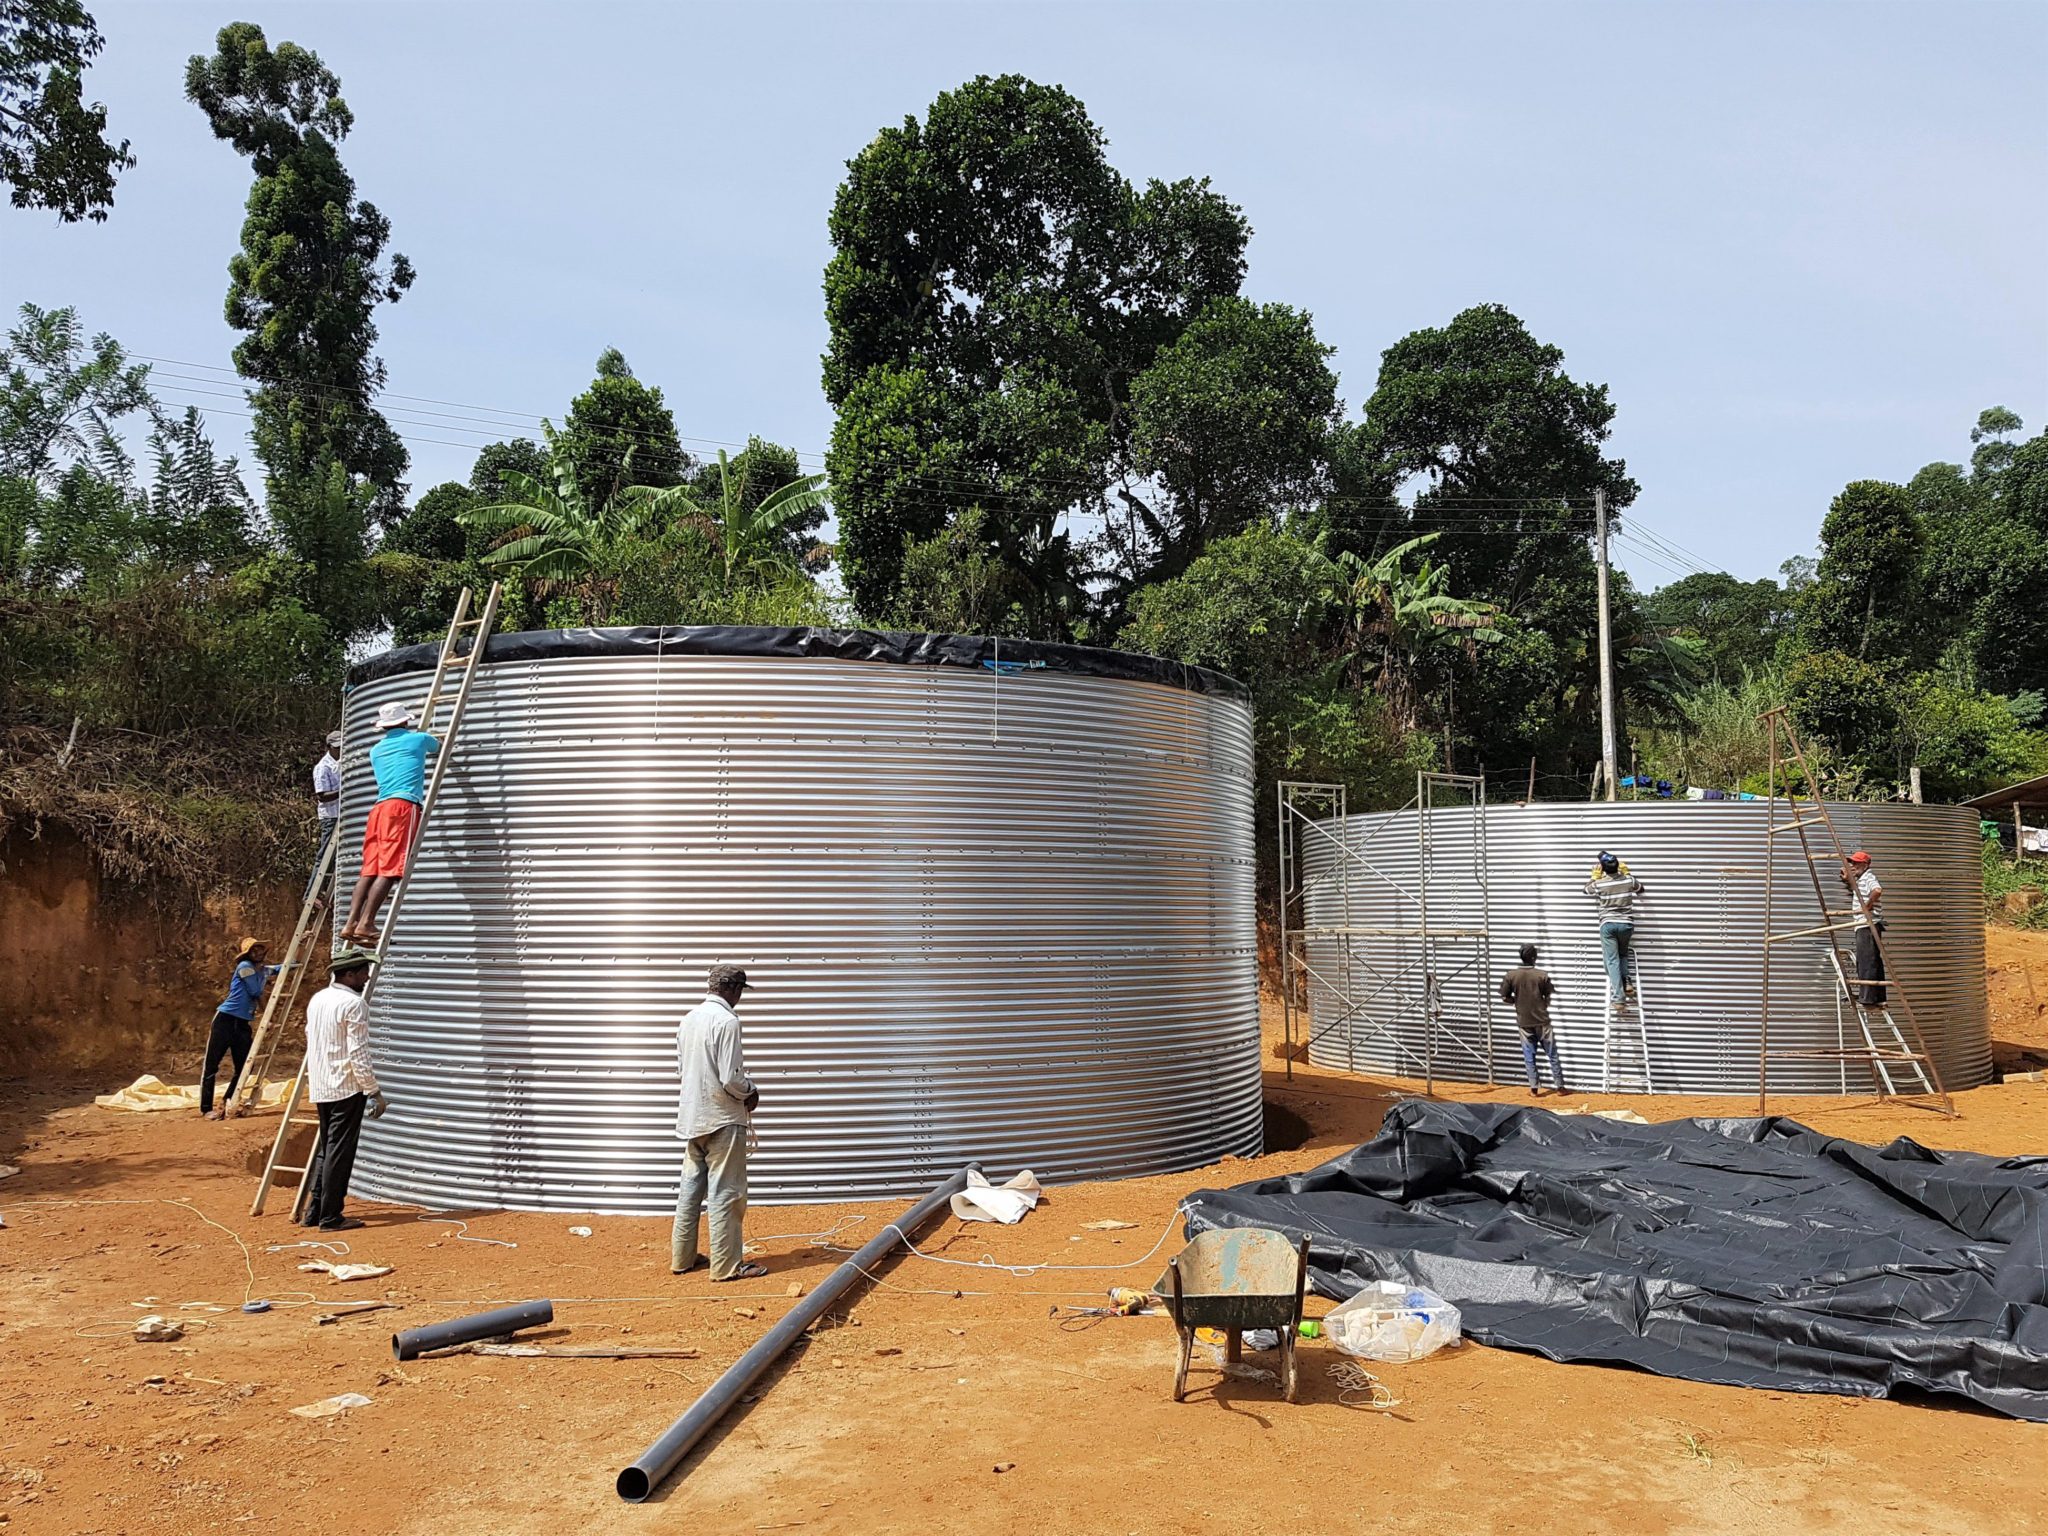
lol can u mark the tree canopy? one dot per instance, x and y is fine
(54, 150)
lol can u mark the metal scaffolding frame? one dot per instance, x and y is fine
(1352, 989)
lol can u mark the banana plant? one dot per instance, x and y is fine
(1401, 619)
(558, 538)
(747, 539)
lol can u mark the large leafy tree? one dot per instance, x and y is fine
(1504, 451)
(1230, 424)
(620, 433)
(54, 150)
(995, 290)
(1738, 624)
(305, 285)
(1864, 600)
(1985, 562)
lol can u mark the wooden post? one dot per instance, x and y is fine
(1531, 799)
(1913, 785)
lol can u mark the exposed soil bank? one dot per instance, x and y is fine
(100, 977)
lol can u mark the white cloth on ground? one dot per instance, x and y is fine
(1006, 1202)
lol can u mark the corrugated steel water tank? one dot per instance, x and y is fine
(996, 899)
(1699, 933)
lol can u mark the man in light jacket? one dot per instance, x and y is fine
(714, 1122)
(341, 1085)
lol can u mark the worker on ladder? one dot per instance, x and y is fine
(399, 762)
(1865, 892)
(232, 1030)
(327, 803)
(1611, 885)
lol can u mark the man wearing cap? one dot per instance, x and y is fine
(1865, 892)
(231, 1032)
(341, 1085)
(399, 762)
(1615, 890)
(326, 801)
(714, 1122)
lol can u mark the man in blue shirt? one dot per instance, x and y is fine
(399, 762)
(232, 1025)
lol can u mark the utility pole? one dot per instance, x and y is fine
(1606, 644)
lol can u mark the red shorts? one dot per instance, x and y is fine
(388, 837)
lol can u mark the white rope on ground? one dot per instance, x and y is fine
(1353, 1379)
(817, 1239)
(462, 1235)
(248, 1260)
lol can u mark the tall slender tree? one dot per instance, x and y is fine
(305, 285)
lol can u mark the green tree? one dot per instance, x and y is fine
(746, 532)
(757, 472)
(306, 283)
(1505, 452)
(199, 513)
(60, 405)
(1232, 423)
(560, 541)
(1405, 621)
(620, 433)
(54, 151)
(522, 454)
(1738, 623)
(955, 584)
(1984, 563)
(1864, 600)
(995, 289)
(1270, 608)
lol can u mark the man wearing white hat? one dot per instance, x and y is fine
(400, 763)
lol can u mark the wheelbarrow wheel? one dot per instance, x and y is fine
(1180, 1376)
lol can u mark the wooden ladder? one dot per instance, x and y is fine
(1892, 1046)
(282, 999)
(460, 649)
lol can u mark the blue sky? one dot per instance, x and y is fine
(1803, 243)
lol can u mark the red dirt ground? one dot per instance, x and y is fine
(896, 1421)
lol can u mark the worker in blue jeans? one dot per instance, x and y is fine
(1615, 890)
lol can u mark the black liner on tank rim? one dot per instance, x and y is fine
(975, 653)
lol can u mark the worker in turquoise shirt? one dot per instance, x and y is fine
(233, 1025)
(399, 762)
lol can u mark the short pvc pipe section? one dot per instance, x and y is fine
(662, 1457)
(414, 1342)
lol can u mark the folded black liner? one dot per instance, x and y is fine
(979, 653)
(1750, 1252)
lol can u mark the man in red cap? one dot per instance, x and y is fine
(1865, 892)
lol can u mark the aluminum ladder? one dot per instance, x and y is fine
(1893, 1047)
(1625, 1029)
(460, 648)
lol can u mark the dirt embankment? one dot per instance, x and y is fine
(2016, 975)
(99, 976)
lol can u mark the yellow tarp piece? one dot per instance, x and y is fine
(148, 1092)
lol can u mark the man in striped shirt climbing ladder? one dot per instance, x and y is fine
(1615, 889)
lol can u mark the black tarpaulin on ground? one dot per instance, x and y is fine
(1754, 1253)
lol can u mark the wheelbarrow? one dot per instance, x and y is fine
(1233, 1279)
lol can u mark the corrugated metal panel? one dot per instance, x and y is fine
(1699, 940)
(1009, 921)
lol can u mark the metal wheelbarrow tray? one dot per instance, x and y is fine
(1233, 1279)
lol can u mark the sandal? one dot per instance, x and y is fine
(747, 1271)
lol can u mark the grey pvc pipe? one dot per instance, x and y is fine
(661, 1458)
(414, 1342)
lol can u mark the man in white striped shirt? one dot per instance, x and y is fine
(341, 1085)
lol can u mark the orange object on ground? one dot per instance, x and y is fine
(388, 836)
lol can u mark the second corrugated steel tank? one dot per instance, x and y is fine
(996, 916)
(1699, 940)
